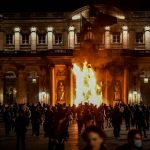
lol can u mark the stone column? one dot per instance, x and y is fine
(33, 38)
(1, 88)
(69, 85)
(71, 88)
(147, 37)
(125, 37)
(125, 86)
(106, 87)
(71, 40)
(107, 37)
(52, 86)
(1, 40)
(65, 39)
(131, 37)
(50, 37)
(17, 38)
(21, 88)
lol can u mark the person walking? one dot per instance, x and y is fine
(141, 121)
(7, 121)
(20, 129)
(116, 122)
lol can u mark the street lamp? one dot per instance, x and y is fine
(145, 79)
(34, 80)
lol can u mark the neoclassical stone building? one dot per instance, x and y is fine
(37, 51)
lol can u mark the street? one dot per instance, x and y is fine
(73, 143)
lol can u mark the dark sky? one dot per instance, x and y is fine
(64, 5)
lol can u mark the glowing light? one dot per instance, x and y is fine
(145, 80)
(87, 89)
(34, 80)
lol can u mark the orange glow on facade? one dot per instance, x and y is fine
(87, 88)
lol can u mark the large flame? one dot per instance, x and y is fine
(87, 88)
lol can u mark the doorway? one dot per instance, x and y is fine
(10, 87)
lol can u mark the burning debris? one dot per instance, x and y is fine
(87, 88)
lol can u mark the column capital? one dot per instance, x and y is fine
(33, 29)
(49, 29)
(147, 28)
(125, 28)
(17, 29)
(71, 28)
(107, 28)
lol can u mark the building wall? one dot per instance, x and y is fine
(109, 52)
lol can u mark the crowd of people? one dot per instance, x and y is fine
(91, 121)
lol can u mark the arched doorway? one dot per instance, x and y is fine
(32, 87)
(10, 87)
(145, 86)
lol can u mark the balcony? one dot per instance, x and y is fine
(123, 53)
(42, 53)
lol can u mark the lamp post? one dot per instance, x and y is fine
(146, 79)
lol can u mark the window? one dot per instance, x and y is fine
(41, 38)
(9, 39)
(78, 38)
(116, 37)
(25, 39)
(139, 38)
(58, 38)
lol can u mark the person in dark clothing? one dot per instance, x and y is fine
(57, 133)
(147, 115)
(36, 121)
(21, 128)
(80, 121)
(141, 121)
(116, 122)
(127, 117)
(7, 121)
(94, 138)
(100, 120)
(134, 141)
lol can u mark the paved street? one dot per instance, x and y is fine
(73, 143)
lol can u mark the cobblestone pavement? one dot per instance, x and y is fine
(73, 143)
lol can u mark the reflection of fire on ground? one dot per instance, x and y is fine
(87, 88)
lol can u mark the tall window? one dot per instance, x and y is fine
(116, 37)
(58, 38)
(25, 38)
(78, 38)
(41, 38)
(139, 38)
(9, 39)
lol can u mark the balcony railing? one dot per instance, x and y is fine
(39, 53)
(124, 53)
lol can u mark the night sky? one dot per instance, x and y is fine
(68, 5)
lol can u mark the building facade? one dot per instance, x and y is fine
(37, 52)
